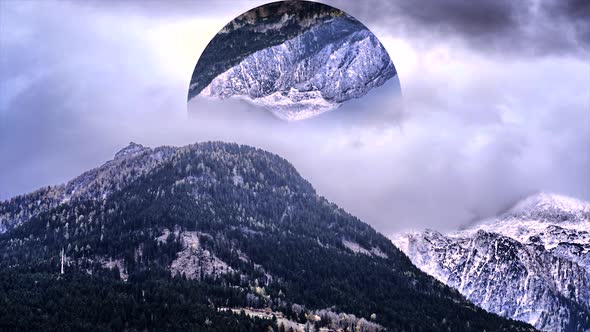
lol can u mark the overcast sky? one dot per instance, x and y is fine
(496, 94)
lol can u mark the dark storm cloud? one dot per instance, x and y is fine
(528, 27)
(576, 13)
(480, 18)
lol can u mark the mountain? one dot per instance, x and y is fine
(296, 58)
(210, 236)
(531, 263)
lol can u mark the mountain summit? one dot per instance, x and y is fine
(131, 149)
(178, 238)
(546, 207)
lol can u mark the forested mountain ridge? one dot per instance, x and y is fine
(211, 225)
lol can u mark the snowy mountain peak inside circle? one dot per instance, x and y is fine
(297, 59)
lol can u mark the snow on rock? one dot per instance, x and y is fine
(541, 215)
(166, 233)
(530, 264)
(552, 207)
(110, 263)
(358, 249)
(309, 74)
(196, 262)
(355, 247)
(378, 252)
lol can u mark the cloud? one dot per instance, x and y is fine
(522, 28)
(481, 128)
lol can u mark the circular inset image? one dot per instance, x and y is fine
(297, 59)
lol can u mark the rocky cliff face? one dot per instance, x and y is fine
(530, 263)
(304, 59)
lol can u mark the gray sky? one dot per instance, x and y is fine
(496, 93)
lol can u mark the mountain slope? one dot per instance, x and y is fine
(264, 26)
(236, 222)
(530, 263)
(296, 58)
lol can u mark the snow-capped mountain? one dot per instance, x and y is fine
(531, 263)
(306, 59)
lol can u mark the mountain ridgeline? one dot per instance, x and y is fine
(244, 36)
(297, 59)
(164, 238)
